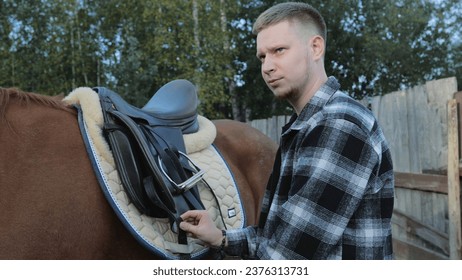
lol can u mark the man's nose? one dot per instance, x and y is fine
(267, 66)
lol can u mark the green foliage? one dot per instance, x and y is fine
(48, 46)
(134, 47)
(377, 47)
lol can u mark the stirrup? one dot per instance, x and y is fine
(189, 183)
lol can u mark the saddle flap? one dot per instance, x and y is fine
(127, 159)
(146, 155)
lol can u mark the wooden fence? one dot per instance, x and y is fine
(422, 127)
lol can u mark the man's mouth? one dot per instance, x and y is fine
(273, 81)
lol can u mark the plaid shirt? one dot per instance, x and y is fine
(334, 194)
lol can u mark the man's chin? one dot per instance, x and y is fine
(279, 95)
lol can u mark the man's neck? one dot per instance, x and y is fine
(301, 102)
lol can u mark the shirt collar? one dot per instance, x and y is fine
(316, 103)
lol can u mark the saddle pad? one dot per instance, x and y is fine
(155, 233)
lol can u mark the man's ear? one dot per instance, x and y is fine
(318, 47)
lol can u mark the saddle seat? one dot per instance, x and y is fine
(173, 105)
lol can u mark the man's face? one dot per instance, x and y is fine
(285, 60)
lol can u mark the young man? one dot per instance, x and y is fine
(331, 193)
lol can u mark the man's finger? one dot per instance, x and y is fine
(191, 214)
(186, 226)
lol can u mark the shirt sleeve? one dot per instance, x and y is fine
(241, 242)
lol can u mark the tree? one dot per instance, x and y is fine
(153, 42)
(50, 45)
(373, 47)
(7, 73)
(382, 46)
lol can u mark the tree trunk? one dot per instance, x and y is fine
(79, 43)
(229, 80)
(197, 43)
(73, 57)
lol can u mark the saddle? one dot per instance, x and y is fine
(149, 151)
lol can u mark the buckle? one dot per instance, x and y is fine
(189, 183)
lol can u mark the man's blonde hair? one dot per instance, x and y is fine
(299, 12)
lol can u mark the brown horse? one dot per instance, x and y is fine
(51, 205)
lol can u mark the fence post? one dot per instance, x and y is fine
(453, 183)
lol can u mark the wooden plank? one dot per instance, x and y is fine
(423, 182)
(458, 98)
(423, 231)
(399, 202)
(399, 205)
(260, 125)
(440, 211)
(415, 204)
(404, 200)
(404, 250)
(281, 123)
(453, 182)
(427, 208)
(399, 113)
(434, 151)
(271, 127)
(391, 109)
(415, 102)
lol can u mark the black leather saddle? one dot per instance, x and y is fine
(149, 151)
(173, 105)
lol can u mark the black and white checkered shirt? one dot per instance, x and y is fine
(335, 191)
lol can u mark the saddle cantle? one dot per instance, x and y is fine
(149, 150)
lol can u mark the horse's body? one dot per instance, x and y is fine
(51, 205)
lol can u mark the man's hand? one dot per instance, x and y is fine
(201, 226)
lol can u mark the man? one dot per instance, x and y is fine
(331, 193)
